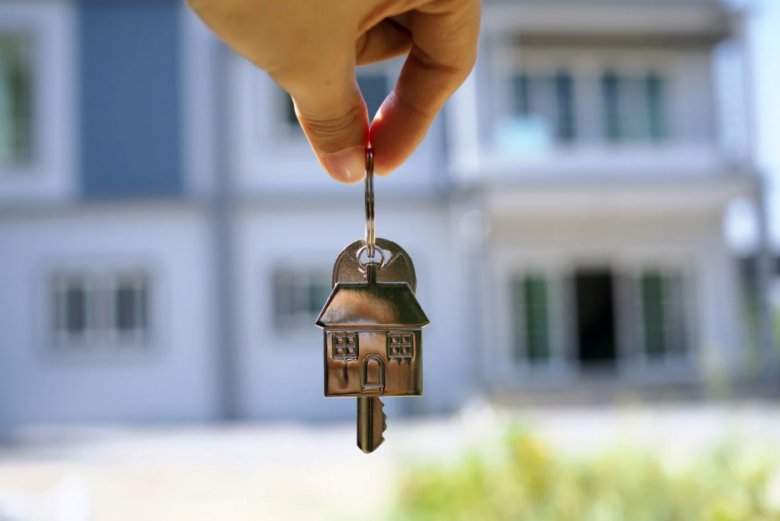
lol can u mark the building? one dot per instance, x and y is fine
(168, 236)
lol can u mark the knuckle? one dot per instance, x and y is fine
(330, 132)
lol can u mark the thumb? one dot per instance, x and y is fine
(334, 118)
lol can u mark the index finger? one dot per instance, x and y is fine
(445, 35)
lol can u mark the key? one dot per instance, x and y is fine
(373, 334)
(372, 423)
(372, 326)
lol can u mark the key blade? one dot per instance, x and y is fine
(371, 423)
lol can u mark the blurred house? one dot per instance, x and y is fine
(167, 235)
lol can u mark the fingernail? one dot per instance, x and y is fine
(347, 166)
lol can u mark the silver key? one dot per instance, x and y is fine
(372, 326)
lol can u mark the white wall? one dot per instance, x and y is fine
(172, 381)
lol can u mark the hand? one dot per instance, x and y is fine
(311, 47)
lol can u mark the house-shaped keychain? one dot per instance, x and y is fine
(373, 339)
(372, 329)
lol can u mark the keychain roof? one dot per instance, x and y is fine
(372, 303)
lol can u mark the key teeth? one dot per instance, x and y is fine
(369, 433)
(384, 416)
(381, 407)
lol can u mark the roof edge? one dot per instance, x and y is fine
(367, 327)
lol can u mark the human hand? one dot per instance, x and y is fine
(311, 47)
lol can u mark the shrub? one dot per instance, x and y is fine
(525, 480)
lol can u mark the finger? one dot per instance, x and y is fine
(334, 118)
(382, 42)
(445, 37)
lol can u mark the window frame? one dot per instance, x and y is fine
(142, 283)
(619, 131)
(522, 348)
(563, 127)
(676, 337)
(303, 278)
(59, 286)
(586, 67)
(676, 362)
(342, 349)
(403, 348)
(50, 172)
(26, 44)
(102, 338)
(631, 364)
(519, 371)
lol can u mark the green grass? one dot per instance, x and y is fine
(523, 479)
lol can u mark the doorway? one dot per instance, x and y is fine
(595, 306)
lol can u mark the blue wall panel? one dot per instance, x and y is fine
(130, 99)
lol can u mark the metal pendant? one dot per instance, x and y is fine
(372, 326)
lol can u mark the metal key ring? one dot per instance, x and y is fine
(370, 240)
(362, 265)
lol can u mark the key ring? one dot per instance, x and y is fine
(362, 265)
(370, 240)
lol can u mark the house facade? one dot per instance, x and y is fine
(168, 237)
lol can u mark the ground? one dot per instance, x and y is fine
(312, 471)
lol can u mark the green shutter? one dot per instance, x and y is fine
(654, 319)
(655, 91)
(531, 309)
(16, 89)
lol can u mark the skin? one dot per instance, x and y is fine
(311, 48)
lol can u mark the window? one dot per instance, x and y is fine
(15, 98)
(71, 307)
(103, 309)
(130, 305)
(299, 297)
(346, 346)
(530, 306)
(400, 345)
(609, 90)
(655, 91)
(546, 102)
(562, 97)
(633, 107)
(662, 305)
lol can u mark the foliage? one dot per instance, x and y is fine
(527, 481)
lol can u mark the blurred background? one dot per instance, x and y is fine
(594, 222)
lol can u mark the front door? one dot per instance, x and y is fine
(595, 315)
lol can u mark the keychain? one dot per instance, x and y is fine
(372, 326)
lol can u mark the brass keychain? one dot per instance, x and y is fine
(372, 326)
